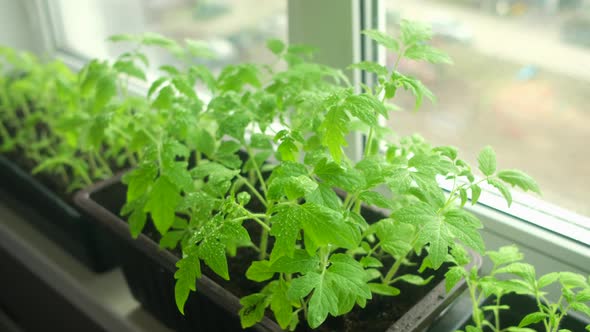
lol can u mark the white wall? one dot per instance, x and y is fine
(16, 26)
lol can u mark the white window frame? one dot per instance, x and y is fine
(544, 228)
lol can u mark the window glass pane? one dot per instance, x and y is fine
(520, 82)
(236, 30)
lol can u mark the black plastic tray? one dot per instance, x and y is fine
(520, 306)
(84, 239)
(149, 271)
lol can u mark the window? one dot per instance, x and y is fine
(236, 30)
(520, 82)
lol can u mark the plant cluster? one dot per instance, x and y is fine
(254, 160)
(510, 275)
(277, 136)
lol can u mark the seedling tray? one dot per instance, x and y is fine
(84, 239)
(150, 273)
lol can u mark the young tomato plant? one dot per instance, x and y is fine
(510, 275)
(79, 127)
(261, 167)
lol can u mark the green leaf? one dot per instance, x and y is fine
(302, 286)
(464, 227)
(189, 270)
(502, 189)
(324, 195)
(162, 203)
(365, 107)
(253, 307)
(285, 227)
(376, 199)
(413, 32)
(371, 67)
(487, 161)
(519, 329)
(413, 279)
(547, 279)
(324, 226)
(395, 237)
(171, 239)
(213, 253)
(368, 261)
(583, 295)
(349, 179)
(335, 291)
(280, 305)
(137, 221)
(179, 175)
(424, 52)
(214, 171)
(164, 99)
(123, 38)
(523, 270)
(184, 87)
(293, 187)
(259, 271)
(581, 307)
(453, 276)
(156, 85)
(235, 77)
(432, 230)
(203, 141)
(505, 255)
(276, 46)
(129, 68)
(235, 126)
(156, 39)
(447, 151)
(385, 290)
(519, 179)
(335, 128)
(463, 195)
(532, 318)
(382, 39)
(300, 262)
(475, 193)
(139, 180)
(106, 89)
(322, 302)
(416, 87)
(572, 280)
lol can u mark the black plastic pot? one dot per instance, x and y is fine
(84, 239)
(149, 271)
(520, 306)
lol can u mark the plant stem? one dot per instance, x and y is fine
(3, 131)
(263, 242)
(474, 305)
(103, 164)
(369, 142)
(497, 313)
(393, 270)
(257, 170)
(368, 254)
(254, 190)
